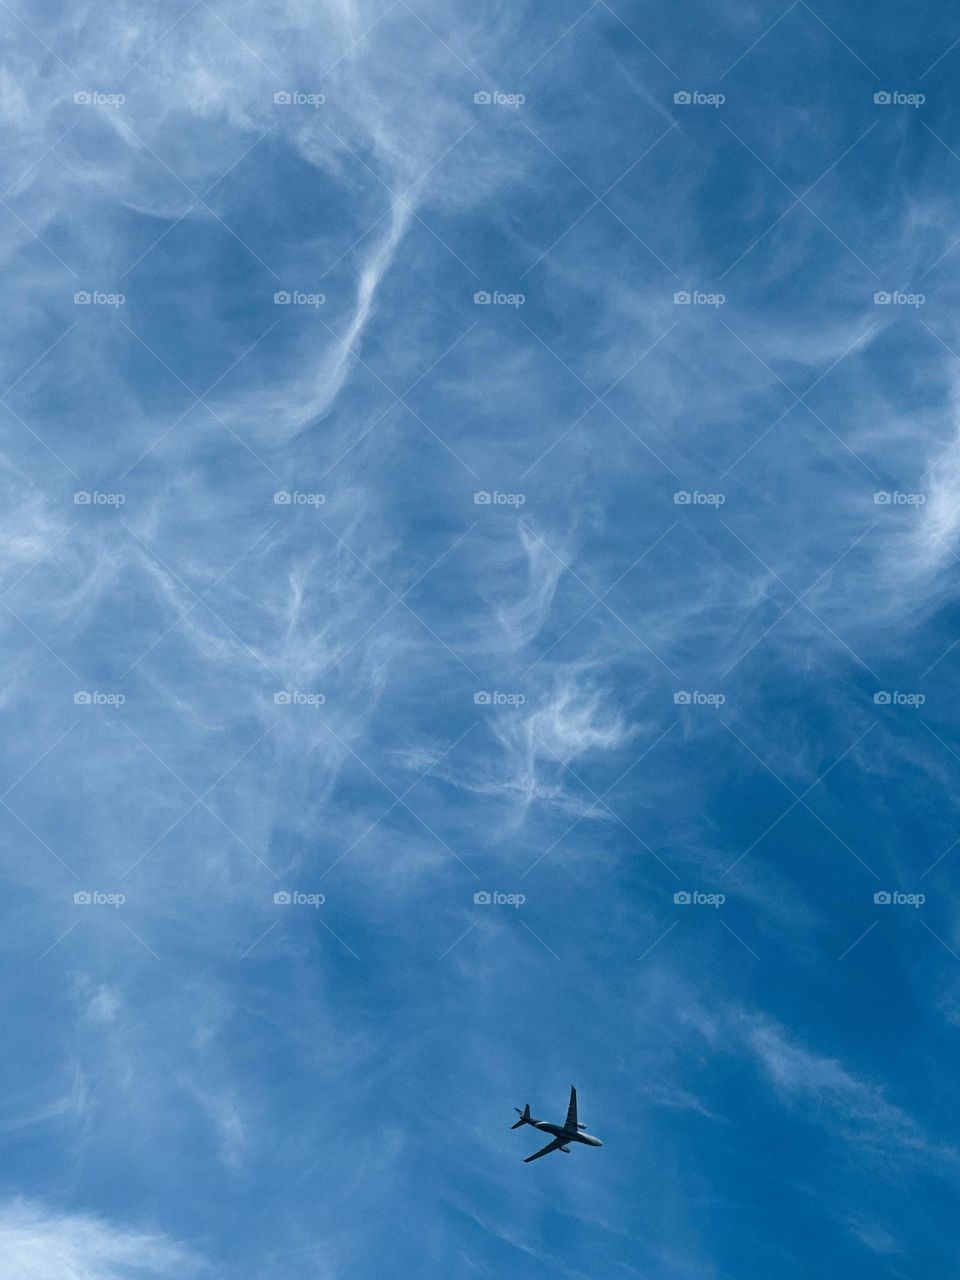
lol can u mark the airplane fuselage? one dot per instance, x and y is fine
(558, 1131)
(562, 1134)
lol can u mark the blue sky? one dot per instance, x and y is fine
(505, 452)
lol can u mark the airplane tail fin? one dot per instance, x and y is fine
(524, 1116)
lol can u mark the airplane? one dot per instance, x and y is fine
(570, 1131)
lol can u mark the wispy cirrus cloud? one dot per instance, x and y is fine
(38, 1241)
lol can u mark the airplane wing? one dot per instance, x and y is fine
(551, 1146)
(571, 1121)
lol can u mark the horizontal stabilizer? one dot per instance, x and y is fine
(524, 1116)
